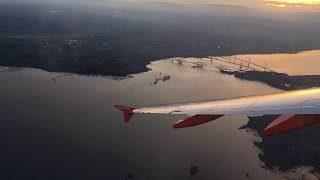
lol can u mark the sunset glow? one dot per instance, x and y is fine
(309, 2)
(292, 4)
(277, 5)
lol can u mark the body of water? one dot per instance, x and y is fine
(64, 126)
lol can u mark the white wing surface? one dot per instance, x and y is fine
(302, 102)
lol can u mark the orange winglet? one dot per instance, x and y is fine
(286, 123)
(127, 112)
(195, 120)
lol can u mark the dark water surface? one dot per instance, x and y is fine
(61, 126)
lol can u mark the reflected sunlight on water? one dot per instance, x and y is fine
(303, 63)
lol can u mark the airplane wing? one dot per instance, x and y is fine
(297, 109)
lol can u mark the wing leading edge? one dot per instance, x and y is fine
(297, 109)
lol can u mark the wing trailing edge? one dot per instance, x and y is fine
(189, 121)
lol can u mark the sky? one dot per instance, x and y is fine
(228, 2)
(282, 5)
(279, 4)
(300, 1)
(235, 2)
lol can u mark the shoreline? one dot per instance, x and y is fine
(121, 69)
(287, 146)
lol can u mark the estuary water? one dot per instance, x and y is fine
(64, 126)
